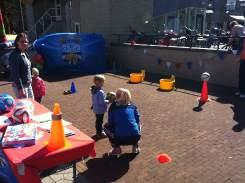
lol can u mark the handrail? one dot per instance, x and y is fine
(40, 21)
(203, 41)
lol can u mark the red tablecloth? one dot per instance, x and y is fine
(36, 158)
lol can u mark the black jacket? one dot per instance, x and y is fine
(20, 68)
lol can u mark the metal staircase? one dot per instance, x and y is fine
(43, 24)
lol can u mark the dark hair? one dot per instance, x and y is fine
(18, 37)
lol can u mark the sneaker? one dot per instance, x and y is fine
(242, 95)
(136, 149)
(101, 135)
(237, 93)
(116, 151)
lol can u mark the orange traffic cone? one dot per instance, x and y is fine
(204, 95)
(57, 137)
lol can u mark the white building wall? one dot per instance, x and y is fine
(114, 16)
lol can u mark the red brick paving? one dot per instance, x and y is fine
(203, 145)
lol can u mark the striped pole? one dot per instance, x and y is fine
(3, 37)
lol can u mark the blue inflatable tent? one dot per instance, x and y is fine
(72, 52)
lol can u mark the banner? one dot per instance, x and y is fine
(200, 63)
(178, 65)
(168, 64)
(159, 61)
(221, 55)
(189, 65)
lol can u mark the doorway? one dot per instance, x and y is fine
(199, 23)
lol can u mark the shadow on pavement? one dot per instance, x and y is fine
(96, 138)
(221, 94)
(199, 108)
(60, 76)
(181, 83)
(238, 107)
(107, 169)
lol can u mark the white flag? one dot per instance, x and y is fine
(200, 63)
(168, 64)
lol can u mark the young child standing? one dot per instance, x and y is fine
(99, 103)
(38, 85)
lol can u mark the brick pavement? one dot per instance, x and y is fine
(206, 146)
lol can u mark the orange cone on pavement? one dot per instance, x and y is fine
(57, 137)
(204, 94)
(164, 158)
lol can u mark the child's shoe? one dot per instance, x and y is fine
(136, 149)
(116, 151)
(101, 135)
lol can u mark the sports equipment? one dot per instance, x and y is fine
(205, 76)
(6, 102)
(23, 111)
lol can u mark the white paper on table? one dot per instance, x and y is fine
(68, 132)
(47, 125)
(43, 117)
(4, 120)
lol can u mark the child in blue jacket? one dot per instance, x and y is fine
(123, 126)
(99, 103)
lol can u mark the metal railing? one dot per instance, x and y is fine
(43, 24)
(191, 41)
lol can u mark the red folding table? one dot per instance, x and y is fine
(28, 162)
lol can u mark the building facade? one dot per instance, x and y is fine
(107, 17)
(200, 15)
(47, 16)
(112, 16)
(116, 16)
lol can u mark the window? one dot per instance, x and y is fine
(76, 27)
(171, 23)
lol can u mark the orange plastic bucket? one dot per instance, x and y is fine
(167, 84)
(136, 77)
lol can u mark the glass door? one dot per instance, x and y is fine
(199, 23)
